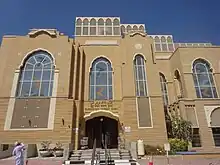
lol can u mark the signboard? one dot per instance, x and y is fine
(76, 129)
(167, 147)
(127, 129)
(101, 105)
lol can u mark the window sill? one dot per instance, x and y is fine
(39, 97)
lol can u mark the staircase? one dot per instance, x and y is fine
(115, 156)
(97, 156)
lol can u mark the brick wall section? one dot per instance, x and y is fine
(64, 109)
(129, 118)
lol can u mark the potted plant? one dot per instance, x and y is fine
(58, 150)
(45, 151)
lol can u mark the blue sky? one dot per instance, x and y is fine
(186, 20)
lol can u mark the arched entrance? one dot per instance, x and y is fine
(102, 128)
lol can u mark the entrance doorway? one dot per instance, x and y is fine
(100, 128)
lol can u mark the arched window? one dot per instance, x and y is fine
(122, 28)
(108, 22)
(116, 22)
(163, 85)
(36, 76)
(140, 76)
(135, 28)
(128, 28)
(178, 84)
(78, 21)
(101, 80)
(203, 79)
(141, 28)
(85, 21)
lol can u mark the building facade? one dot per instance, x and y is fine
(111, 78)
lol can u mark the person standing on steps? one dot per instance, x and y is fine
(18, 152)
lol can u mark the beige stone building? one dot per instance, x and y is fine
(111, 78)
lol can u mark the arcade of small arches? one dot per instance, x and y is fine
(104, 26)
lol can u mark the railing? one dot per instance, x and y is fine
(106, 154)
(93, 153)
(107, 151)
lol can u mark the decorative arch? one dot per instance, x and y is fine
(169, 39)
(205, 60)
(93, 22)
(128, 28)
(163, 39)
(141, 28)
(101, 22)
(108, 22)
(135, 27)
(36, 75)
(35, 51)
(86, 22)
(163, 84)
(140, 54)
(99, 113)
(101, 75)
(156, 39)
(214, 116)
(203, 79)
(78, 21)
(137, 33)
(123, 29)
(38, 32)
(116, 22)
(140, 75)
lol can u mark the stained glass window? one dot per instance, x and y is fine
(101, 80)
(36, 76)
(140, 76)
(203, 80)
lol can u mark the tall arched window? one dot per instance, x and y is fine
(178, 84)
(101, 80)
(203, 79)
(163, 84)
(36, 76)
(140, 76)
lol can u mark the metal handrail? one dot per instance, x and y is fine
(109, 155)
(93, 152)
(106, 154)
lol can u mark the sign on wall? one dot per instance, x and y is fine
(127, 129)
(167, 146)
(101, 105)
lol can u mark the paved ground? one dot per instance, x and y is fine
(35, 161)
(183, 160)
(158, 160)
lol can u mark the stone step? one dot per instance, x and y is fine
(86, 155)
(116, 157)
(125, 158)
(76, 154)
(124, 151)
(114, 153)
(125, 154)
(76, 151)
(101, 162)
(74, 158)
